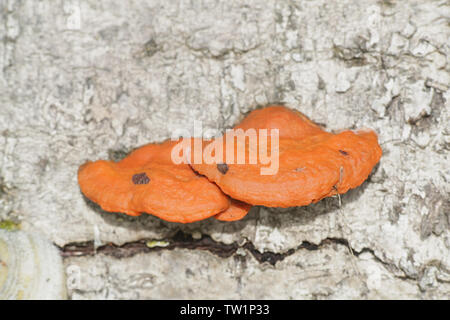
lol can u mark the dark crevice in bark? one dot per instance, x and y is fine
(267, 256)
(186, 241)
(179, 240)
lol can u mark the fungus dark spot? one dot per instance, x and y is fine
(222, 167)
(345, 153)
(140, 178)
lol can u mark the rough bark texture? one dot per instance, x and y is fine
(85, 80)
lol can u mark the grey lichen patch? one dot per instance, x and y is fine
(388, 3)
(43, 165)
(117, 155)
(351, 56)
(4, 190)
(437, 220)
(394, 109)
(321, 85)
(7, 197)
(394, 214)
(150, 47)
(109, 33)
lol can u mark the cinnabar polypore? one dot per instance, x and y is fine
(148, 181)
(313, 163)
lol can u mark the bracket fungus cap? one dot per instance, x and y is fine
(313, 164)
(148, 181)
(290, 123)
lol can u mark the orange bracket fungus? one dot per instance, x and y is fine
(306, 164)
(148, 181)
(312, 163)
(290, 123)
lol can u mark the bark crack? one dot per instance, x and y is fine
(183, 240)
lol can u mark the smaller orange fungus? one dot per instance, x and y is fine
(148, 181)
